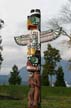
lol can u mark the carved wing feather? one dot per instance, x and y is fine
(22, 40)
(45, 36)
(49, 35)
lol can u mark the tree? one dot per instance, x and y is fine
(51, 57)
(45, 78)
(14, 77)
(54, 23)
(57, 23)
(66, 12)
(60, 77)
(66, 17)
(62, 20)
(1, 58)
(1, 23)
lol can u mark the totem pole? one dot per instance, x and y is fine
(33, 41)
(34, 58)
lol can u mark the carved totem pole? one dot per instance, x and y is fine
(34, 58)
(33, 41)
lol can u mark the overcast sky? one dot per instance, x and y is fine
(14, 13)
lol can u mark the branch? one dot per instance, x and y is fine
(65, 33)
(66, 13)
(53, 23)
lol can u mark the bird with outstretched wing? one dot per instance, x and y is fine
(45, 36)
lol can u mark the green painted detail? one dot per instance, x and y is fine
(34, 20)
(33, 60)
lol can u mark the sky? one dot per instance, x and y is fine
(14, 13)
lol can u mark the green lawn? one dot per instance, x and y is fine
(51, 97)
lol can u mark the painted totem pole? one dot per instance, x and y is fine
(34, 58)
(33, 41)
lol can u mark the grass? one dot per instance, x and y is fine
(51, 97)
(14, 91)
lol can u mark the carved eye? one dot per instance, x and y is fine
(34, 60)
(32, 10)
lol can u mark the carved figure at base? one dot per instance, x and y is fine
(37, 90)
(31, 91)
(34, 93)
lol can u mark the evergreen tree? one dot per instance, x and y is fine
(1, 58)
(45, 78)
(14, 77)
(51, 57)
(60, 77)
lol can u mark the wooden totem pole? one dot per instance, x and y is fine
(34, 58)
(33, 41)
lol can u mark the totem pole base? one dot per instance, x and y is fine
(34, 92)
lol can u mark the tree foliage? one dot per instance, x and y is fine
(66, 13)
(51, 57)
(1, 58)
(45, 78)
(62, 20)
(14, 76)
(60, 77)
(1, 23)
